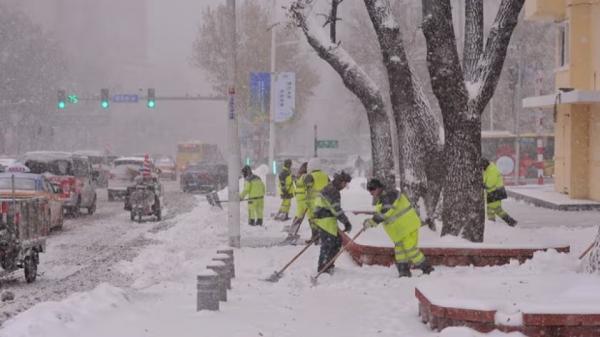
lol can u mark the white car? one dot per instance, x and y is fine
(122, 175)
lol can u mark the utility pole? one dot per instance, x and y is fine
(234, 155)
(271, 188)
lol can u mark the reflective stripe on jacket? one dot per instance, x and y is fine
(394, 211)
(492, 178)
(253, 188)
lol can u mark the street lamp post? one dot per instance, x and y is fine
(234, 156)
(271, 188)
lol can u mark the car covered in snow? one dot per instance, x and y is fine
(30, 185)
(6, 162)
(100, 166)
(166, 168)
(71, 172)
(122, 175)
(204, 177)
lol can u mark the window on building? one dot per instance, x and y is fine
(563, 44)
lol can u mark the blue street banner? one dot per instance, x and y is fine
(260, 94)
(285, 95)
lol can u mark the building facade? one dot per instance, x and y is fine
(576, 101)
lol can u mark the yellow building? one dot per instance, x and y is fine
(576, 103)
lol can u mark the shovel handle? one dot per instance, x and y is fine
(338, 254)
(297, 255)
(587, 250)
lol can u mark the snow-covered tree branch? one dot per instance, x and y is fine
(491, 63)
(357, 81)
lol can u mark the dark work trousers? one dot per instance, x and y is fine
(330, 245)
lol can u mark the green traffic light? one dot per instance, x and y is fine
(61, 105)
(151, 104)
(104, 104)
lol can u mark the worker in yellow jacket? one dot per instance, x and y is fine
(401, 223)
(495, 192)
(254, 190)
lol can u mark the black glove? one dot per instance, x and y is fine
(347, 227)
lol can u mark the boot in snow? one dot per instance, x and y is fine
(509, 220)
(259, 222)
(251, 222)
(425, 267)
(403, 269)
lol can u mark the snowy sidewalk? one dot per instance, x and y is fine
(546, 196)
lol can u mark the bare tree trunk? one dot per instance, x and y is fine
(418, 131)
(360, 84)
(463, 211)
(462, 105)
(473, 37)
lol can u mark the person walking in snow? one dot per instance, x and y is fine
(401, 223)
(254, 189)
(315, 181)
(495, 192)
(285, 190)
(327, 212)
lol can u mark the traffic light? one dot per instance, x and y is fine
(151, 98)
(104, 98)
(62, 100)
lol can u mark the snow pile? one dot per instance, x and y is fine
(71, 313)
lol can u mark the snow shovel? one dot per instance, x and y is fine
(313, 279)
(213, 199)
(278, 274)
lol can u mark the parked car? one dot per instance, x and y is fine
(30, 185)
(167, 168)
(122, 175)
(100, 166)
(204, 177)
(6, 162)
(73, 173)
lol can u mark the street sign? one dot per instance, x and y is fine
(285, 96)
(327, 144)
(125, 98)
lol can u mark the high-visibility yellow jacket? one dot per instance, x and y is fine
(300, 189)
(492, 178)
(394, 211)
(328, 210)
(315, 182)
(286, 184)
(253, 188)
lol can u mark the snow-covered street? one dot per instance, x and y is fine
(81, 255)
(150, 291)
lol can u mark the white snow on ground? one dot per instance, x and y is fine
(355, 301)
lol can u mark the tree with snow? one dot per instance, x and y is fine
(462, 91)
